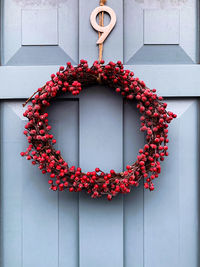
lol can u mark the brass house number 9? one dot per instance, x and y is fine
(104, 29)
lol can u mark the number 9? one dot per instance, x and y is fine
(106, 29)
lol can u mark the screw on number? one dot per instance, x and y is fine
(104, 29)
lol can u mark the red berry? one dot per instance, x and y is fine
(112, 172)
(128, 167)
(151, 188)
(109, 197)
(130, 97)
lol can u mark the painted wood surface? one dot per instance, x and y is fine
(101, 144)
(160, 24)
(39, 32)
(81, 230)
(98, 128)
(88, 36)
(182, 80)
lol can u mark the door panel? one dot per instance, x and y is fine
(160, 32)
(133, 202)
(63, 114)
(171, 214)
(38, 32)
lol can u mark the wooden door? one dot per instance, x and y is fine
(158, 40)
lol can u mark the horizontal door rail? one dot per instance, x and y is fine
(170, 80)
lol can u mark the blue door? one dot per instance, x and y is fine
(158, 41)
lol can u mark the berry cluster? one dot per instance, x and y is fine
(154, 121)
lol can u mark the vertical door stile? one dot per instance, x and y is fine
(100, 144)
(101, 222)
(11, 203)
(113, 46)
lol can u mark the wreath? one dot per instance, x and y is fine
(154, 122)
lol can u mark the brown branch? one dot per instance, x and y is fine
(29, 99)
(102, 2)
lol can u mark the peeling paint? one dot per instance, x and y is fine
(161, 3)
(25, 3)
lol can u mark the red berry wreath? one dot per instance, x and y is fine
(154, 121)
